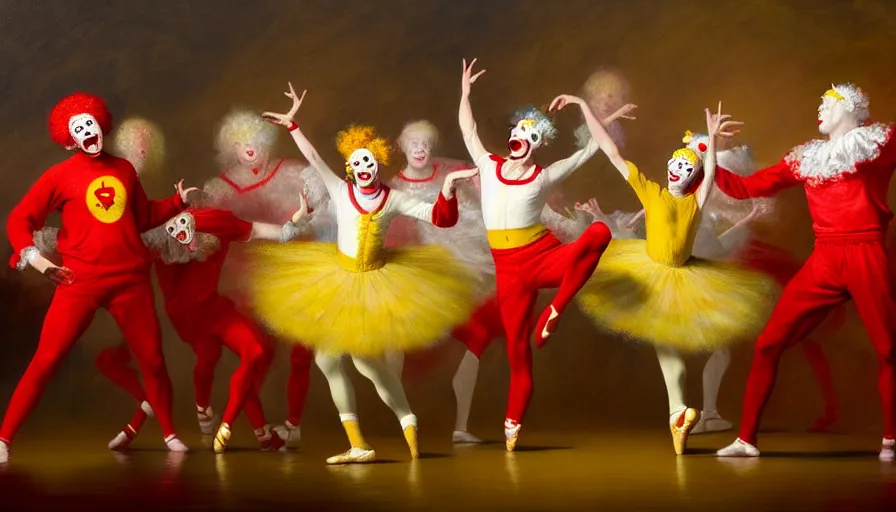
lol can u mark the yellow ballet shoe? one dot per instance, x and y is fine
(681, 427)
(222, 437)
(410, 435)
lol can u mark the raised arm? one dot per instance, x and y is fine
(149, 214)
(330, 178)
(600, 139)
(717, 125)
(465, 114)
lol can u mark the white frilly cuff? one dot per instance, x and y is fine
(26, 256)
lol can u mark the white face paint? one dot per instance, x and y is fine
(524, 139)
(831, 114)
(182, 228)
(681, 173)
(418, 151)
(86, 133)
(364, 166)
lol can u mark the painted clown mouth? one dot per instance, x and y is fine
(92, 144)
(364, 175)
(181, 236)
(820, 122)
(674, 178)
(419, 158)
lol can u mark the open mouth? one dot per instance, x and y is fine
(364, 176)
(250, 153)
(92, 144)
(181, 236)
(674, 178)
(419, 158)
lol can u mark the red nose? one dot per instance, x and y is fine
(250, 153)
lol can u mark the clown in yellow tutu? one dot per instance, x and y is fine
(654, 290)
(352, 297)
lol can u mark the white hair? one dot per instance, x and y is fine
(855, 100)
(421, 127)
(243, 127)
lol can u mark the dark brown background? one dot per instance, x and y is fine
(185, 64)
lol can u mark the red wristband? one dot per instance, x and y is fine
(292, 126)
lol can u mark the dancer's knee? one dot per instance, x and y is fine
(597, 237)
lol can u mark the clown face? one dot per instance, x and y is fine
(524, 140)
(681, 172)
(252, 154)
(418, 150)
(182, 228)
(364, 167)
(86, 133)
(831, 114)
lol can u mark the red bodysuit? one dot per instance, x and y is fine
(207, 321)
(103, 211)
(846, 184)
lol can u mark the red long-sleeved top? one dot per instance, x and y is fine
(190, 289)
(104, 209)
(853, 206)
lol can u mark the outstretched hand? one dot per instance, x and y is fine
(719, 125)
(287, 118)
(450, 185)
(304, 208)
(182, 192)
(590, 207)
(623, 112)
(563, 100)
(468, 77)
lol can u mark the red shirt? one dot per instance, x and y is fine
(103, 208)
(854, 206)
(191, 289)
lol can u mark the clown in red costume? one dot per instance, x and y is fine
(257, 186)
(528, 257)
(192, 248)
(846, 178)
(104, 263)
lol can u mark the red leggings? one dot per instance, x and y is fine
(300, 359)
(483, 327)
(227, 328)
(71, 311)
(521, 272)
(833, 273)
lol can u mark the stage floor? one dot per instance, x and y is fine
(633, 470)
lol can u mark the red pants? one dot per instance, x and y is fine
(224, 327)
(482, 328)
(521, 272)
(71, 311)
(833, 273)
(300, 359)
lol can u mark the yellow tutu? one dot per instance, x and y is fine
(302, 293)
(699, 306)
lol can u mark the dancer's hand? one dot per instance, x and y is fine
(450, 185)
(182, 192)
(590, 207)
(468, 77)
(563, 100)
(287, 118)
(57, 274)
(718, 124)
(760, 209)
(623, 112)
(304, 209)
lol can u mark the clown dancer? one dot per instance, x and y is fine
(527, 256)
(423, 176)
(655, 290)
(352, 298)
(192, 248)
(104, 264)
(846, 178)
(257, 186)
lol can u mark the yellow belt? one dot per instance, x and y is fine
(354, 265)
(513, 238)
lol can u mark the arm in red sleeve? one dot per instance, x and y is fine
(30, 214)
(222, 224)
(445, 213)
(764, 183)
(152, 213)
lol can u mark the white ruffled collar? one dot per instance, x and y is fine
(822, 161)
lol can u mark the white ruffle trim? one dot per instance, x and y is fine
(26, 256)
(820, 161)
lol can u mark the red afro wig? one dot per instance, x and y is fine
(72, 105)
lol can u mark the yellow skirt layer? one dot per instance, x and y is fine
(700, 306)
(301, 293)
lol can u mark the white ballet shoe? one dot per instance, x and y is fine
(738, 448)
(511, 434)
(208, 421)
(289, 433)
(887, 450)
(4, 453)
(464, 437)
(123, 440)
(175, 444)
(711, 422)
(354, 456)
